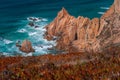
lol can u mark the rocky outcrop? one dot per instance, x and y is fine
(110, 22)
(82, 34)
(26, 47)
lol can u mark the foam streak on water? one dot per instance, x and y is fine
(35, 35)
(16, 14)
(104, 8)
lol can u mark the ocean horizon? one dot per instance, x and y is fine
(15, 16)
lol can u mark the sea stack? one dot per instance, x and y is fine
(26, 47)
(84, 35)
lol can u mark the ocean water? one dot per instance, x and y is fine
(14, 23)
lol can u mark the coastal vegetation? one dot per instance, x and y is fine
(91, 50)
(71, 66)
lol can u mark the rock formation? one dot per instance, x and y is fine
(26, 47)
(82, 34)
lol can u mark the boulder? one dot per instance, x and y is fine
(31, 24)
(26, 47)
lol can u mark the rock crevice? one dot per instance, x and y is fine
(82, 34)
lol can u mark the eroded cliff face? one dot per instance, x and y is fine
(82, 34)
(110, 24)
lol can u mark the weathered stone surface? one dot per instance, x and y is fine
(26, 47)
(117, 6)
(82, 34)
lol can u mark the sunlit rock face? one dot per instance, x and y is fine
(82, 34)
(26, 47)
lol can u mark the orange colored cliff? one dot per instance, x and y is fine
(82, 34)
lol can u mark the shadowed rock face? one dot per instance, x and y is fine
(82, 34)
(26, 47)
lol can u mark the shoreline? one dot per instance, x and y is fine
(98, 39)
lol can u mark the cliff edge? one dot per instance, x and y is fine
(84, 35)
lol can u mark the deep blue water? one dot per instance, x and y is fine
(14, 14)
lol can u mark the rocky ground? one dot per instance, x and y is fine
(69, 66)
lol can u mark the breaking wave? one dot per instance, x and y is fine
(35, 35)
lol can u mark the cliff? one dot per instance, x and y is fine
(84, 35)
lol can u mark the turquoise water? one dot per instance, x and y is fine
(14, 23)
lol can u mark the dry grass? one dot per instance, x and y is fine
(72, 66)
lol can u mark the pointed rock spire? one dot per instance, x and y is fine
(83, 34)
(63, 12)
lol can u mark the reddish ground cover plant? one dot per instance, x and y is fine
(72, 66)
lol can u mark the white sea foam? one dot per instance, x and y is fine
(39, 49)
(101, 13)
(35, 35)
(104, 8)
(42, 49)
(7, 41)
(6, 54)
(36, 19)
(44, 19)
(29, 54)
(40, 44)
(22, 30)
(40, 29)
(32, 33)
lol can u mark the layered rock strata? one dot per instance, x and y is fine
(82, 34)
